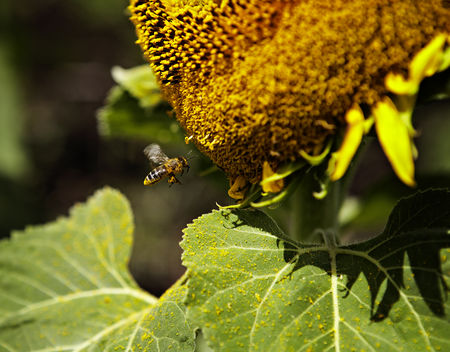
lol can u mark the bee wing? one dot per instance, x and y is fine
(190, 155)
(155, 155)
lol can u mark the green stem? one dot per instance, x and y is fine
(309, 214)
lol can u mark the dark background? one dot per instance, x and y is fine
(55, 63)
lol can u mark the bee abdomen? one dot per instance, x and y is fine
(155, 175)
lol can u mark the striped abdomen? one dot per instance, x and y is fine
(155, 175)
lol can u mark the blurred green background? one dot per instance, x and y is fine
(55, 74)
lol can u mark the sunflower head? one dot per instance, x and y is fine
(258, 84)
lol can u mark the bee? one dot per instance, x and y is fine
(163, 166)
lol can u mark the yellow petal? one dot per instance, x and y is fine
(426, 63)
(397, 84)
(273, 186)
(341, 159)
(395, 139)
(238, 188)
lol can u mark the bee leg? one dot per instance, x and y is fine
(172, 179)
(182, 170)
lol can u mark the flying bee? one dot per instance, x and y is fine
(163, 166)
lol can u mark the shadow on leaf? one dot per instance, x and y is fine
(418, 228)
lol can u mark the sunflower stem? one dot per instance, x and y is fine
(310, 216)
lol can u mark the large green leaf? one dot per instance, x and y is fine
(166, 327)
(65, 286)
(251, 289)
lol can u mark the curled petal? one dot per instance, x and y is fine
(316, 159)
(271, 186)
(426, 63)
(238, 188)
(284, 172)
(341, 159)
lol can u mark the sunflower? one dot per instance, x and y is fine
(259, 84)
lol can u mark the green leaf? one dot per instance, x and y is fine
(65, 286)
(166, 327)
(251, 289)
(140, 82)
(124, 117)
(135, 108)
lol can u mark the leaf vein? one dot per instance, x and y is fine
(269, 290)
